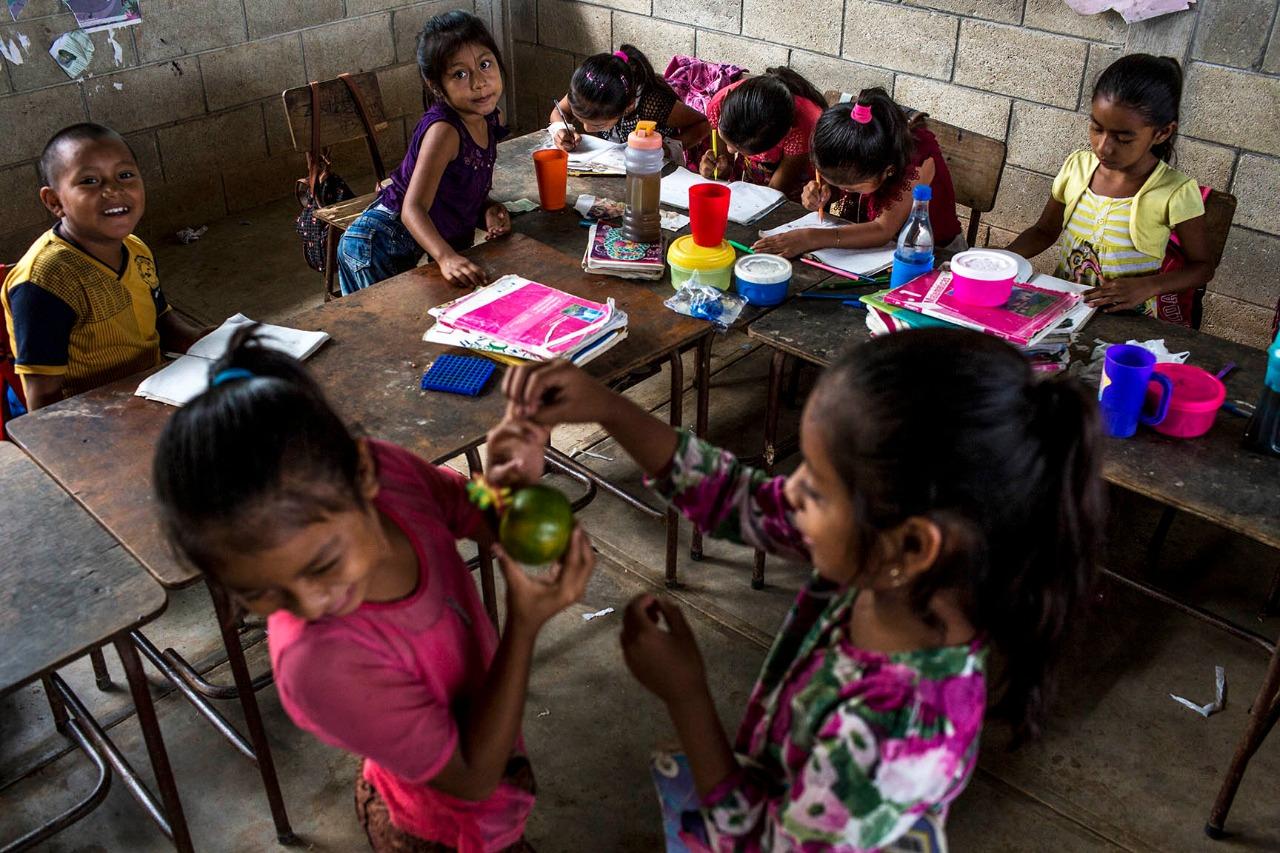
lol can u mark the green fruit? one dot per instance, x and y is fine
(536, 526)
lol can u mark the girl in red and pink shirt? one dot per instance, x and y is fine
(379, 641)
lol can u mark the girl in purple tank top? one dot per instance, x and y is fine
(439, 194)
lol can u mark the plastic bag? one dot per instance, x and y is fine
(695, 299)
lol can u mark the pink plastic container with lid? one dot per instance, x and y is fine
(1193, 406)
(983, 278)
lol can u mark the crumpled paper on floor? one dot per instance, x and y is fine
(1220, 679)
(190, 235)
(1131, 10)
(1092, 372)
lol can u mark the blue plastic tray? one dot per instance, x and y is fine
(458, 374)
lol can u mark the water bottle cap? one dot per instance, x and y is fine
(922, 192)
(645, 136)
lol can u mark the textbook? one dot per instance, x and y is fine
(183, 380)
(747, 202)
(857, 261)
(609, 253)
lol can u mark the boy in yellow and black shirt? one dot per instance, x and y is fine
(83, 307)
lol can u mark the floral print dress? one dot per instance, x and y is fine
(840, 748)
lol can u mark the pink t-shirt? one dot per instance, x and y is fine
(383, 681)
(797, 142)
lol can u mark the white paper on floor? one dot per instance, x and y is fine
(587, 617)
(1220, 678)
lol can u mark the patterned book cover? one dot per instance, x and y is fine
(609, 249)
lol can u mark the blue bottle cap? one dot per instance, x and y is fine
(922, 192)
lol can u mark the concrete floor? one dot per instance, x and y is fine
(1122, 767)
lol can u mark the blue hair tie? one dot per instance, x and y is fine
(230, 375)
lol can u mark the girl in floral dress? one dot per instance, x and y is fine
(950, 505)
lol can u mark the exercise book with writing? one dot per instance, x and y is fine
(747, 202)
(857, 261)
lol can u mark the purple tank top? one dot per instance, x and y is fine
(465, 184)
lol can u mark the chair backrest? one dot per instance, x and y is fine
(1219, 211)
(339, 115)
(8, 376)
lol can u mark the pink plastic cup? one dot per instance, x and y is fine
(982, 278)
(708, 213)
(1193, 405)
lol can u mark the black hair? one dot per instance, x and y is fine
(605, 85)
(51, 159)
(1150, 86)
(252, 458)
(951, 425)
(441, 37)
(848, 152)
(758, 113)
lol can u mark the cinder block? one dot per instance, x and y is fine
(214, 143)
(252, 71)
(147, 153)
(1056, 16)
(659, 40)
(1100, 59)
(14, 244)
(32, 117)
(177, 27)
(252, 184)
(1271, 62)
(269, 17)
(401, 87)
(574, 27)
(1209, 164)
(1040, 138)
(1242, 322)
(1257, 189)
(1046, 262)
(724, 15)
(20, 189)
(365, 7)
(1021, 198)
(1020, 62)
(39, 68)
(818, 28)
(910, 40)
(550, 75)
(753, 55)
(407, 23)
(1232, 107)
(831, 74)
(184, 202)
(524, 19)
(357, 44)
(1005, 11)
(1231, 33)
(147, 96)
(636, 7)
(1241, 274)
(967, 108)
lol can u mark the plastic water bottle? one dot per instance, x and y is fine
(1262, 435)
(642, 218)
(914, 255)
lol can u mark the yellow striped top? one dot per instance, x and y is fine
(1096, 244)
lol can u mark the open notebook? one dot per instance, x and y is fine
(598, 156)
(186, 378)
(747, 202)
(857, 261)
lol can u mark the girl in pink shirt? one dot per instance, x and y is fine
(379, 641)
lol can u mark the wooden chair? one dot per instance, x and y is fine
(341, 119)
(976, 163)
(1219, 211)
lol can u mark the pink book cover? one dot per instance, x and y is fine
(1029, 311)
(610, 247)
(528, 314)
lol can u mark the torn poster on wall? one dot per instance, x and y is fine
(94, 15)
(16, 7)
(73, 52)
(1132, 11)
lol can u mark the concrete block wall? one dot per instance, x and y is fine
(197, 94)
(1019, 70)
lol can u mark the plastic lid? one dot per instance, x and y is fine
(645, 136)
(981, 265)
(762, 269)
(922, 192)
(686, 254)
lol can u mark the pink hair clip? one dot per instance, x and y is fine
(622, 54)
(862, 113)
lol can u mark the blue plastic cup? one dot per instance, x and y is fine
(909, 267)
(1127, 370)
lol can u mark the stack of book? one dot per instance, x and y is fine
(609, 253)
(1039, 317)
(515, 320)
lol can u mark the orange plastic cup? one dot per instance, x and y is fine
(551, 166)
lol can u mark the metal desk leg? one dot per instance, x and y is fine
(700, 425)
(331, 238)
(1262, 717)
(673, 517)
(252, 715)
(488, 591)
(771, 408)
(101, 674)
(178, 832)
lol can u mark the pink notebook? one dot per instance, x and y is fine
(530, 315)
(1030, 312)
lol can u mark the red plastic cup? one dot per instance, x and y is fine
(708, 213)
(551, 166)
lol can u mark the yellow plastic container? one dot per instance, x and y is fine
(713, 265)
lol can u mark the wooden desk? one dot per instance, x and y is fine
(70, 589)
(1211, 477)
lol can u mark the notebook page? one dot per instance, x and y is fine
(858, 261)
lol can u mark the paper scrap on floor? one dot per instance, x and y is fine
(1220, 700)
(747, 202)
(186, 378)
(857, 261)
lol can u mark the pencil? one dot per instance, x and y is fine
(837, 270)
(817, 176)
(735, 244)
(715, 153)
(567, 126)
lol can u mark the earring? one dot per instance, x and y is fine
(895, 575)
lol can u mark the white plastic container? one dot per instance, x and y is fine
(762, 279)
